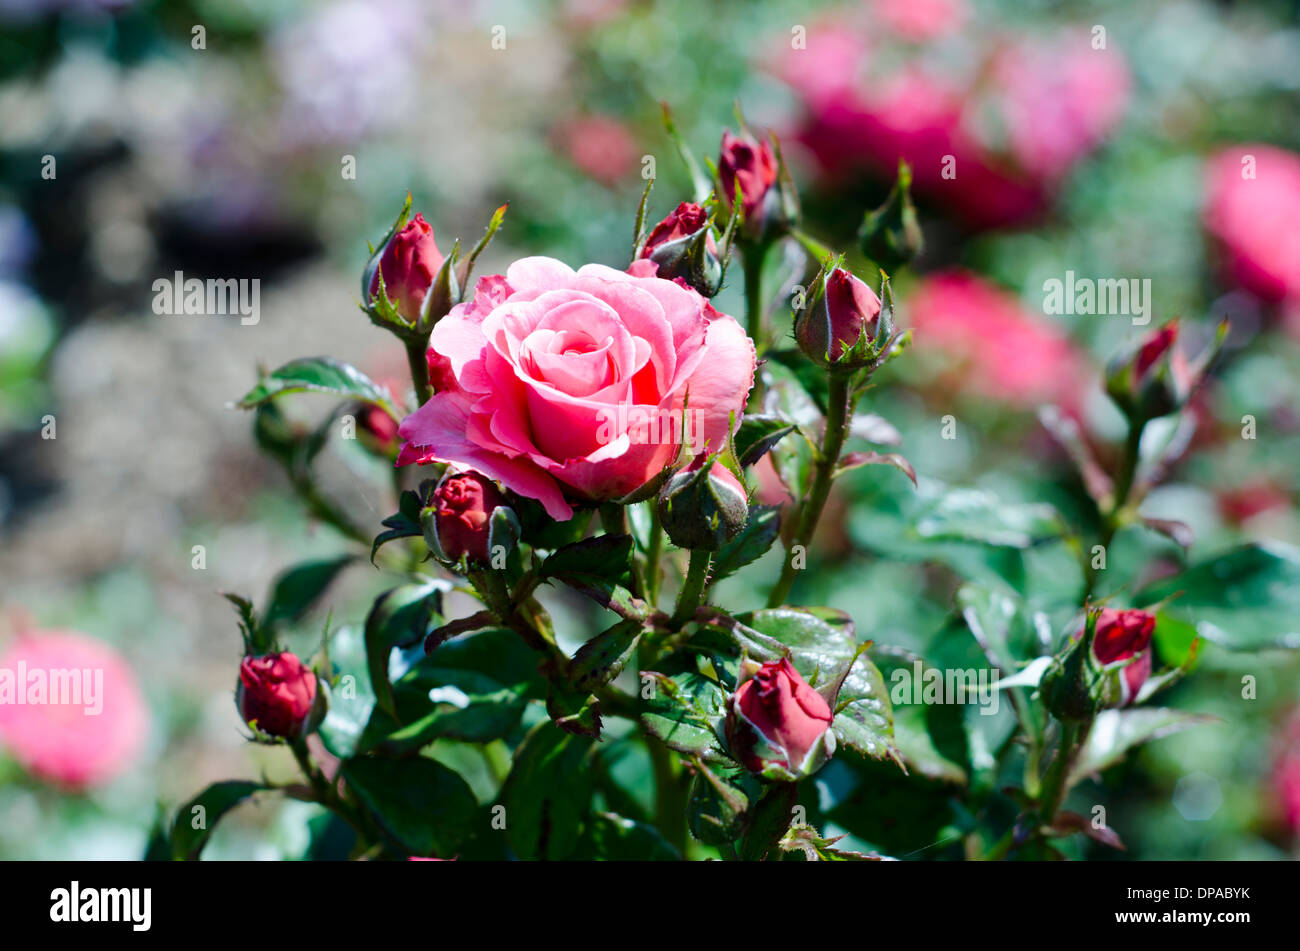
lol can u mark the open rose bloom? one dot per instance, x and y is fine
(570, 386)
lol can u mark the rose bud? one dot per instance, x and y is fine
(409, 263)
(1122, 635)
(753, 165)
(378, 430)
(683, 249)
(777, 725)
(463, 506)
(279, 695)
(704, 506)
(1156, 379)
(841, 312)
(891, 235)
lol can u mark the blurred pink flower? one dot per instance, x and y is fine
(1254, 219)
(70, 743)
(771, 490)
(1003, 351)
(920, 20)
(1059, 100)
(1286, 772)
(989, 143)
(601, 147)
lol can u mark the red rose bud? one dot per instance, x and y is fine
(703, 507)
(683, 249)
(279, 695)
(753, 166)
(842, 313)
(1155, 379)
(409, 263)
(1122, 635)
(463, 506)
(377, 429)
(777, 725)
(891, 235)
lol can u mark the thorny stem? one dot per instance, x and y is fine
(688, 599)
(837, 416)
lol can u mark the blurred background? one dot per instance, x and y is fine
(216, 138)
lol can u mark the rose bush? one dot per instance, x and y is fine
(548, 396)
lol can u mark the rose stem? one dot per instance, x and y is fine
(837, 415)
(654, 550)
(325, 794)
(419, 364)
(688, 600)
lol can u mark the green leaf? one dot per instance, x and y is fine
(405, 523)
(1245, 599)
(864, 717)
(685, 712)
(548, 793)
(615, 838)
(320, 375)
(197, 818)
(762, 529)
(400, 617)
(854, 460)
(471, 688)
(297, 590)
(352, 698)
(978, 516)
(603, 658)
(1000, 624)
(424, 807)
(759, 434)
(1115, 732)
(820, 637)
(926, 735)
(604, 558)
(716, 809)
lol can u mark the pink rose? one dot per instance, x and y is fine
(572, 384)
(1000, 350)
(1059, 98)
(1254, 219)
(775, 718)
(74, 737)
(410, 262)
(279, 692)
(987, 145)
